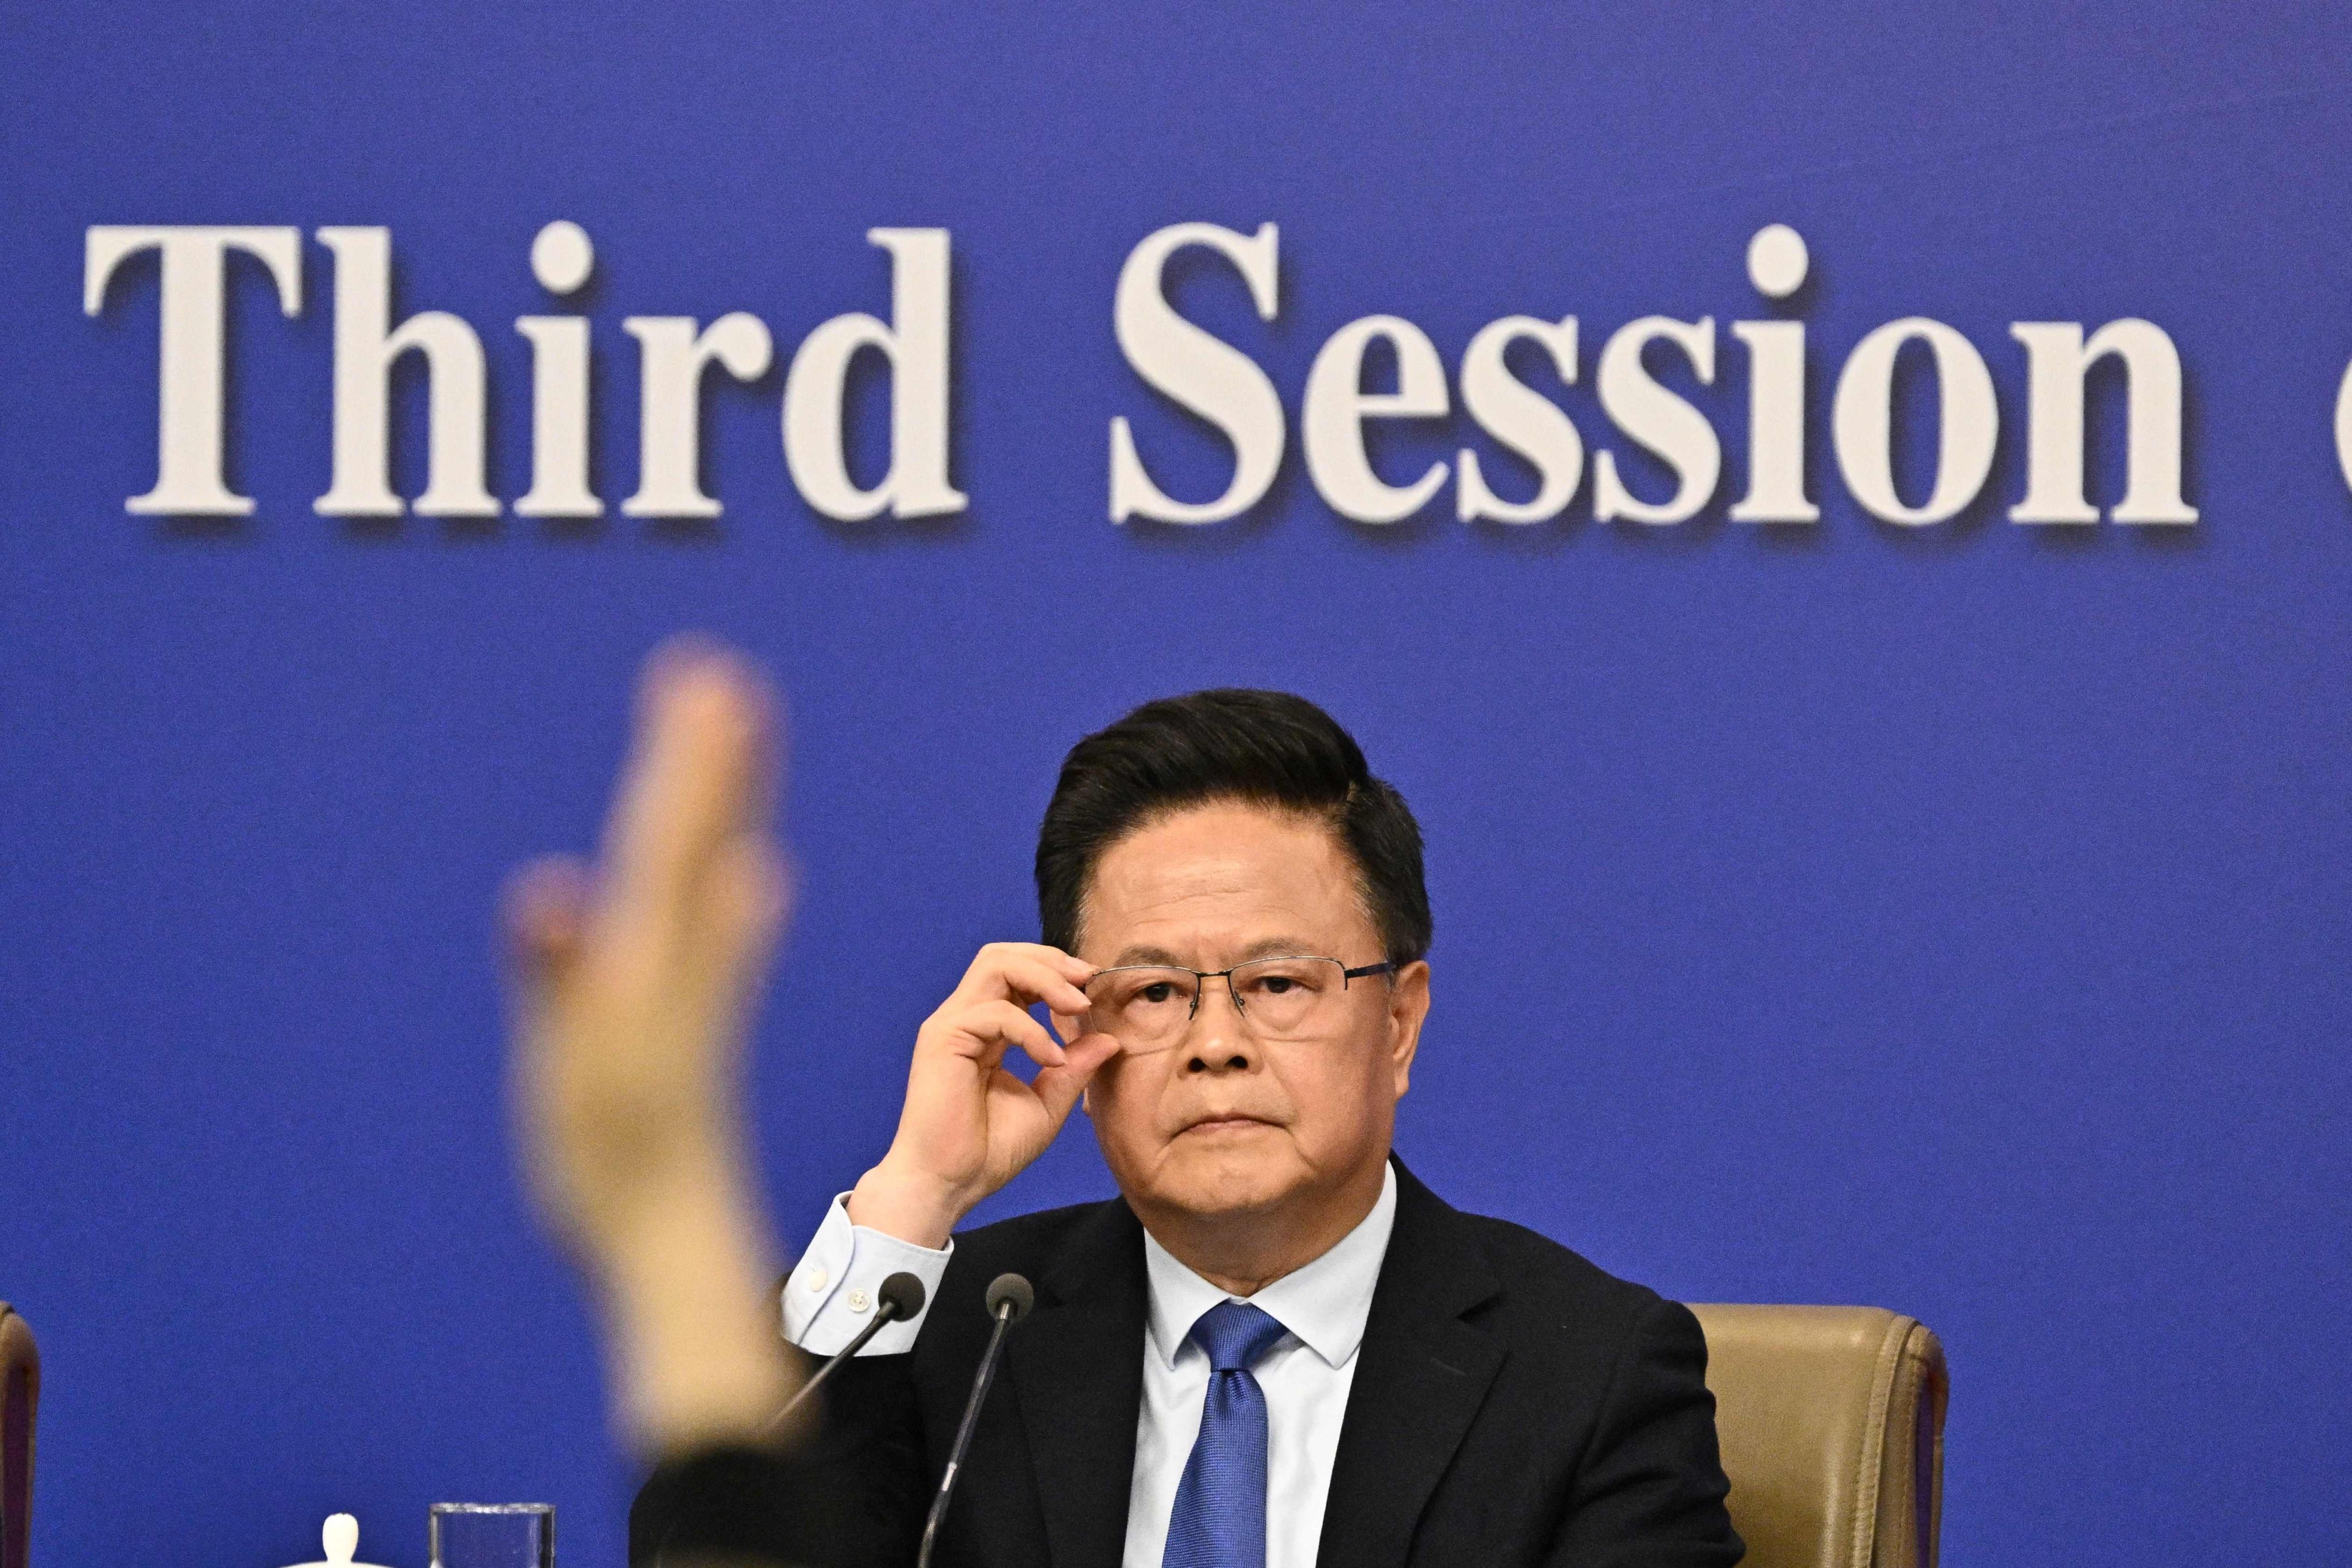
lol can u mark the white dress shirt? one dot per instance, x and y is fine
(1306, 1376)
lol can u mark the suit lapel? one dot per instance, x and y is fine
(1077, 1367)
(1419, 1379)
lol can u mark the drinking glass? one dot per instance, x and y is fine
(493, 1535)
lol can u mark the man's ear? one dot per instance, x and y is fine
(1408, 1009)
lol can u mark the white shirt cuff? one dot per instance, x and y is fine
(829, 1299)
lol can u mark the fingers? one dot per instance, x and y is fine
(1057, 1087)
(1027, 972)
(746, 896)
(544, 917)
(699, 774)
(542, 923)
(986, 1022)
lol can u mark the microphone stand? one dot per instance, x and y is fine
(1009, 1300)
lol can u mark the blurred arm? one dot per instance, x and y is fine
(634, 982)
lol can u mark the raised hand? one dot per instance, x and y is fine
(633, 982)
(970, 1124)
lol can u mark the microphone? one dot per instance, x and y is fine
(1009, 1300)
(900, 1297)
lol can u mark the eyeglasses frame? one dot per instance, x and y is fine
(1241, 1009)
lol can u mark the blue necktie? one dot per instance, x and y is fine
(1218, 1519)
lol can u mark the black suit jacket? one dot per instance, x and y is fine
(1512, 1405)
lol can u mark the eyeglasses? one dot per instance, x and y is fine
(1147, 1008)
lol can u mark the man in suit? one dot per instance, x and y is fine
(1273, 1348)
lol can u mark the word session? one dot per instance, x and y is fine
(1179, 359)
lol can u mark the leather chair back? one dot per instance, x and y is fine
(20, 1397)
(1832, 1422)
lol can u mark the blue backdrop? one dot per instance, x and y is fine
(1950, 919)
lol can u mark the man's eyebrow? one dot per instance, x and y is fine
(1264, 947)
(1278, 947)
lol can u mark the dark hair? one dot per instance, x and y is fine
(1262, 748)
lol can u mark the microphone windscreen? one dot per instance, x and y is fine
(1010, 1294)
(903, 1294)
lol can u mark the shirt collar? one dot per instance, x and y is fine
(1324, 1305)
